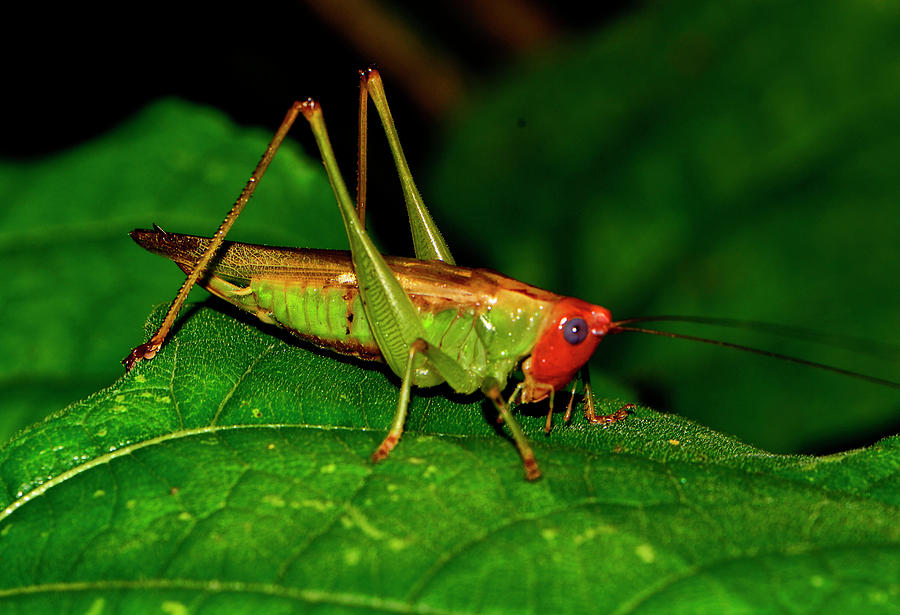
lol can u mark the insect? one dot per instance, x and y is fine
(430, 320)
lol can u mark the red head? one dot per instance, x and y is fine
(573, 332)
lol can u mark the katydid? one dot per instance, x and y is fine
(430, 320)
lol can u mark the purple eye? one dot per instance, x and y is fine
(575, 330)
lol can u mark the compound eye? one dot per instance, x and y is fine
(575, 330)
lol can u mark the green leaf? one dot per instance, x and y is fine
(714, 159)
(76, 287)
(231, 473)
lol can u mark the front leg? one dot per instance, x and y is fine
(590, 412)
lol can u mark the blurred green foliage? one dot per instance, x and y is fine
(731, 160)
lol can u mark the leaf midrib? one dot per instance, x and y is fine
(130, 448)
(214, 586)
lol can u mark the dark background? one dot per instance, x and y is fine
(76, 72)
(79, 71)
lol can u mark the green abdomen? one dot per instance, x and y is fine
(330, 317)
(485, 339)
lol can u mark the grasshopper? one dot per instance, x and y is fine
(430, 320)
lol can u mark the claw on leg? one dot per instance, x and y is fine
(385, 448)
(146, 350)
(608, 419)
(590, 412)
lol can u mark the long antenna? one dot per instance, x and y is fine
(617, 327)
(878, 349)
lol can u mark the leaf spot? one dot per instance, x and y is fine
(274, 500)
(318, 505)
(646, 553)
(99, 493)
(328, 468)
(398, 544)
(352, 557)
(170, 607)
(592, 532)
